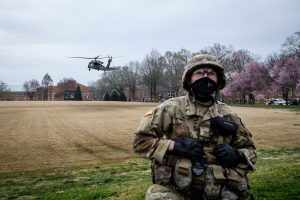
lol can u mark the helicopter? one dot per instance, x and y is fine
(97, 64)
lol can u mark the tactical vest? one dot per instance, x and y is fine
(198, 126)
(178, 172)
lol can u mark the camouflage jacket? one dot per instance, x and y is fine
(183, 116)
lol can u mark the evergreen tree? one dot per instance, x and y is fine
(78, 95)
(122, 97)
(114, 96)
(106, 97)
(4, 91)
(46, 83)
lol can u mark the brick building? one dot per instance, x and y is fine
(141, 94)
(238, 97)
(55, 93)
(18, 96)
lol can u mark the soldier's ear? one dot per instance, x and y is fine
(150, 112)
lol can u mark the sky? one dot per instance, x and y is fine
(37, 36)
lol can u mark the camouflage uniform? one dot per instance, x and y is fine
(174, 176)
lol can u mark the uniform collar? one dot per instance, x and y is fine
(193, 108)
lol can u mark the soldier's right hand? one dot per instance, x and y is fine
(188, 147)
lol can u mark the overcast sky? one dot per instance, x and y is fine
(36, 36)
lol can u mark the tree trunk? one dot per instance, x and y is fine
(285, 94)
(251, 98)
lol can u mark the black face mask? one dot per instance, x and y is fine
(203, 89)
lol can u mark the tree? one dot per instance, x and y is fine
(291, 46)
(30, 88)
(284, 68)
(298, 86)
(78, 95)
(220, 51)
(222, 54)
(152, 70)
(250, 81)
(100, 87)
(131, 72)
(46, 82)
(106, 97)
(238, 59)
(114, 96)
(174, 67)
(66, 83)
(233, 61)
(3, 91)
(113, 80)
(271, 60)
(122, 97)
(94, 92)
(286, 75)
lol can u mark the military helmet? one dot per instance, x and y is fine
(203, 59)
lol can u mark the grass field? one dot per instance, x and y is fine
(38, 135)
(82, 150)
(286, 107)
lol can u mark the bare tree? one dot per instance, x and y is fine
(291, 46)
(66, 83)
(271, 60)
(30, 88)
(221, 52)
(114, 80)
(174, 67)
(46, 82)
(131, 72)
(98, 88)
(94, 91)
(238, 59)
(152, 70)
(232, 61)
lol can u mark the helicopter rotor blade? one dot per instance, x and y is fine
(97, 57)
(80, 57)
(102, 57)
(108, 56)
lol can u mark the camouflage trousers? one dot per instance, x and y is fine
(159, 192)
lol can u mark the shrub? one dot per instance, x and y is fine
(114, 96)
(106, 97)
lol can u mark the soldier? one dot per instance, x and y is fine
(199, 148)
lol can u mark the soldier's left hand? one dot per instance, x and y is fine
(228, 156)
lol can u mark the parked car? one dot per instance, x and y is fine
(268, 101)
(294, 101)
(277, 102)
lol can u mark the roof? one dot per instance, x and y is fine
(15, 88)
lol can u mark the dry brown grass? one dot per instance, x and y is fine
(271, 128)
(61, 134)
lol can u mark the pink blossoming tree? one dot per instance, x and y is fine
(250, 81)
(286, 75)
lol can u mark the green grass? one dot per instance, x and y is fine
(277, 177)
(288, 107)
(128, 180)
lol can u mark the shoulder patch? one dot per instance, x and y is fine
(150, 112)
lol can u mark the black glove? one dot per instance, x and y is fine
(228, 156)
(223, 127)
(188, 147)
